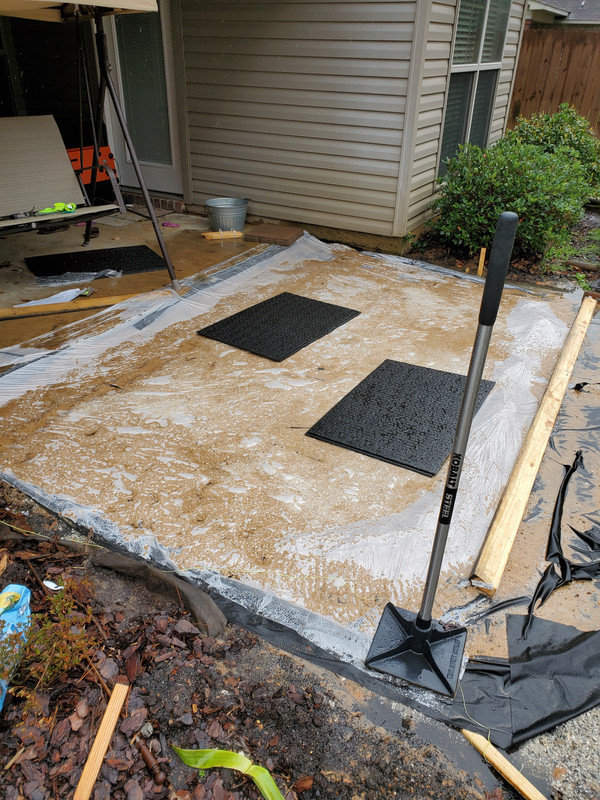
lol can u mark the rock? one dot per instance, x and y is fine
(134, 790)
(185, 626)
(60, 732)
(133, 723)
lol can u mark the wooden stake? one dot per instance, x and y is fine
(223, 234)
(481, 261)
(502, 765)
(82, 304)
(105, 731)
(500, 538)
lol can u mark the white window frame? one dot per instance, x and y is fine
(475, 68)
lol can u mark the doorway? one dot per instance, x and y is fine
(142, 57)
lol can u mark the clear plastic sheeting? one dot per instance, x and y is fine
(77, 277)
(192, 453)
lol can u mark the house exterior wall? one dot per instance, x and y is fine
(431, 100)
(327, 113)
(299, 106)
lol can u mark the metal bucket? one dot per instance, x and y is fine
(226, 213)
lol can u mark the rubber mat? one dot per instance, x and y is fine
(280, 326)
(400, 413)
(138, 258)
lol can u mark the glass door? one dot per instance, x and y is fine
(143, 73)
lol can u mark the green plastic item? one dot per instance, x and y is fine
(206, 759)
(59, 208)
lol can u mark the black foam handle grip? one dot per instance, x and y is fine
(506, 229)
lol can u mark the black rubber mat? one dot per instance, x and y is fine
(400, 413)
(138, 258)
(280, 326)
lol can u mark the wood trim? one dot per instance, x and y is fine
(411, 116)
(509, 772)
(105, 731)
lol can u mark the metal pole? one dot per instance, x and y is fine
(492, 294)
(467, 411)
(105, 72)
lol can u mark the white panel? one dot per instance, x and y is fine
(295, 80)
(256, 185)
(365, 31)
(329, 132)
(291, 12)
(318, 114)
(308, 65)
(292, 172)
(296, 144)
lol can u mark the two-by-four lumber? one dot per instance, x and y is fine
(500, 538)
(502, 765)
(105, 731)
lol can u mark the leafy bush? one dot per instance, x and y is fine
(57, 640)
(565, 129)
(546, 190)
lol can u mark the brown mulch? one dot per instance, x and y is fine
(232, 692)
(524, 270)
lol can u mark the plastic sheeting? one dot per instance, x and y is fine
(342, 536)
(561, 570)
(552, 675)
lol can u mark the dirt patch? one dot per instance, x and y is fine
(554, 271)
(232, 692)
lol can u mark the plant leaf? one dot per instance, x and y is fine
(206, 759)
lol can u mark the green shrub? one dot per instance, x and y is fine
(564, 129)
(546, 190)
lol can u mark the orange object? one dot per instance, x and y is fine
(106, 157)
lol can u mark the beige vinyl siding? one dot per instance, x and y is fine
(430, 107)
(299, 106)
(436, 70)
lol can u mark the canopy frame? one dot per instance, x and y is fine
(95, 14)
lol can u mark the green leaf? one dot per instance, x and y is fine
(206, 759)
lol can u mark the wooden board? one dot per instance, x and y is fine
(101, 742)
(274, 234)
(508, 771)
(500, 538)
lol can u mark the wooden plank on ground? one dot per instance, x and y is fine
(105, 731)
(79, 304)
(500, 538)
(502, 765)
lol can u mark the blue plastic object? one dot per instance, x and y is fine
(15, 615)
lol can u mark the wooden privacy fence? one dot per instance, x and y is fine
(558, 65)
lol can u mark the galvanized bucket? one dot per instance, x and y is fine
(226, 213)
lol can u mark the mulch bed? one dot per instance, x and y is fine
(524, 270)
(233, 692)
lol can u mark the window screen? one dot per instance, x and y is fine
(482, 107)
(144, 87)
(457, 107)
(495, 31)
(469, 29)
